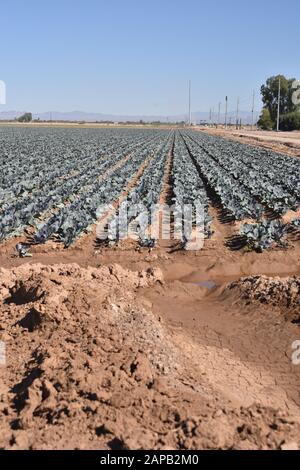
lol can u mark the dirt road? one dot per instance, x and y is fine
(284, 142)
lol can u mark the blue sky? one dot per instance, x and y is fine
(135, 57)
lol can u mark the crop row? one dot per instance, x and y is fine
(56, 181)
(271, 179)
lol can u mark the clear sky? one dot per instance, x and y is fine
(135, 57)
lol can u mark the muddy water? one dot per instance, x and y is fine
(207, 284)
(245, 351)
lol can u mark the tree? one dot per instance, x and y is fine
(269, 93)
(290, 121)
(27, 117)
(265, 122)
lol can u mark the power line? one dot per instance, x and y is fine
(236, 114)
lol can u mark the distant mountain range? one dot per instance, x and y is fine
(98, 117)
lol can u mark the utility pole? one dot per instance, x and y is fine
(190, 113)
(237, 113)
(253, 100)
(219, 113)
(226, 109)
(278, 106)
(210, 117)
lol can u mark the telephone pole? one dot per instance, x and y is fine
(226, 109)
(219, 113)
(237, 113)
(278, 106)
(253, 101)
(190, 113)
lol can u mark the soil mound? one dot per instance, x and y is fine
(283, 293)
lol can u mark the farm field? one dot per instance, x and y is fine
(57, 188)
(144, 342)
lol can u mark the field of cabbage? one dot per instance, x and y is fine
(54, 180)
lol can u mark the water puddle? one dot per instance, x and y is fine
(206, 284)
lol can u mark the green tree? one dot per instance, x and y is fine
(27, 117)
(290, 121)
(265, 122)
(269, 93)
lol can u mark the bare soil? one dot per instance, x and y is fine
(126, 348)
(115, 359)
(283, 142)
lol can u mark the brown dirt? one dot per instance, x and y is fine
(283, 142)
(282, 293)
(115, 359)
